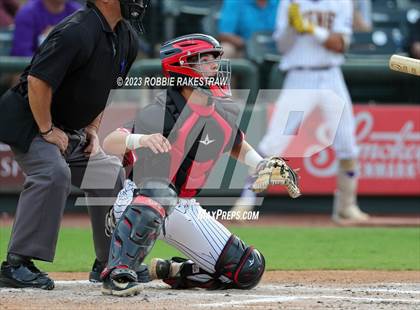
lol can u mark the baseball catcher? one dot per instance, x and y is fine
(173, 145)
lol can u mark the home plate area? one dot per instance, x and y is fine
(82, 294)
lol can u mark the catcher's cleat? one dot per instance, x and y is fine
(275, 171)
(163, 268)
(121, 282)
(95, 275)
(19, 272)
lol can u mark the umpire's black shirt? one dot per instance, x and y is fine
(81, 60)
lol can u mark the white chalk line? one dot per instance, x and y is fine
(157, 284)
(266, 299)
(340, 289)
(75, 282)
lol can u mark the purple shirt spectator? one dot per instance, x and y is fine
(34, 21)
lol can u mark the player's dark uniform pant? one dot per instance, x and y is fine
(49, 176)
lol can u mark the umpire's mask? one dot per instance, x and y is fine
(133, 11)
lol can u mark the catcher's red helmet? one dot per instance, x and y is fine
(182, 57)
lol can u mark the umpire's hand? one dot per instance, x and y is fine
(57, 137)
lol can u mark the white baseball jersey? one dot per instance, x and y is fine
(304, 50)
(312, 66)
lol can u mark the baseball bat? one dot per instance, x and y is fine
(405, 64)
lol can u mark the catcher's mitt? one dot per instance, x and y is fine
(275, 171)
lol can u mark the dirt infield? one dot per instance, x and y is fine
(279, 289)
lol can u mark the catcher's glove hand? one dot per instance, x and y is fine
(275, 171)
(296, 20)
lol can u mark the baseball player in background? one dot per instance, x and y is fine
(312, 36)
(173, 145)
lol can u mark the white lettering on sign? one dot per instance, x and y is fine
(8, 167)
(4, 147)
(383, 154)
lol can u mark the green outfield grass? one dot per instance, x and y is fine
(283, 248)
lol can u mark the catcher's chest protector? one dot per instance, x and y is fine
(198, 136)
(200, 141)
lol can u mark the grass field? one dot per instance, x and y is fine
(283, 248)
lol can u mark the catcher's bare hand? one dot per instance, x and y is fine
(156, 142)
(275, 171)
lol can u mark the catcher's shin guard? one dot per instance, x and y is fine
(135, 234)
(242, 264)
(140, 225)
(238, 266)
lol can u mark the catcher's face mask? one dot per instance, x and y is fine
(208, 64)
(133, 11)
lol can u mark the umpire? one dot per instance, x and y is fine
(50, 120)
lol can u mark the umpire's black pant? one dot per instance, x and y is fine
(49, 176)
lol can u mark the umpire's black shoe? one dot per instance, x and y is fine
(20, 272)
(95, 275)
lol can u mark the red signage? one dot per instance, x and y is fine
(11, 178)
(388, 137)
(389, 140)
